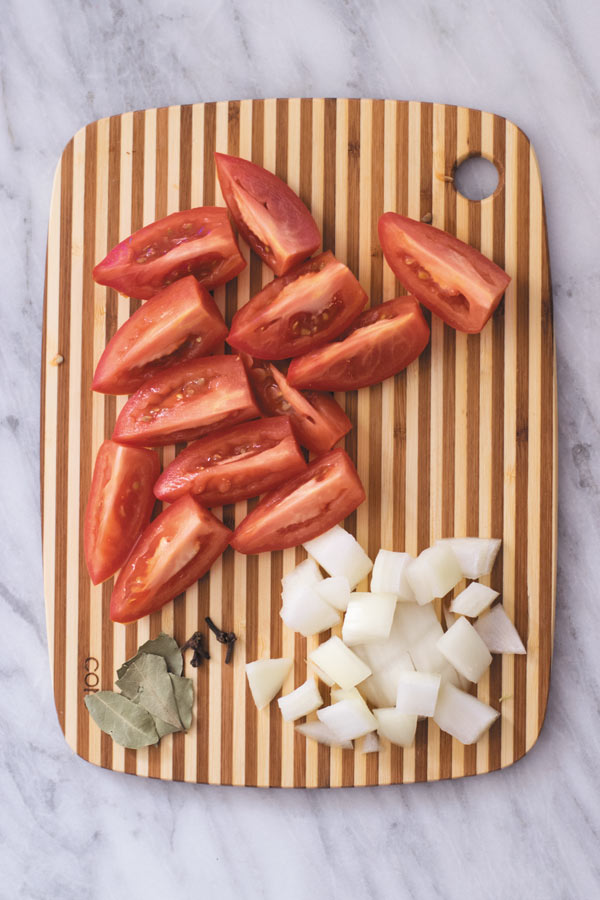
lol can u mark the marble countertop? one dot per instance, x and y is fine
(69, 830)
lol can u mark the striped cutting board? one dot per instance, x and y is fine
(463, 442)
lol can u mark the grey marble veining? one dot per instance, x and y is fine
(69, 830)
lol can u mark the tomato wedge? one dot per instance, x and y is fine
(119, 506)
(452, 279)
(383, 340)
(318, 421)
(187, 401)
(196, 242)
(268, 214)
(174, 551)
(234, 464)
(302, 508)
(180, 323)
(311, 305)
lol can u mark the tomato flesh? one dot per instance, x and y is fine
(174, 551)
(180, 323)
(302, 508)
(234, 464)
(308, 307)
(271, 218)
(186, 402)
(119, 506)
(196, 242)
(452, 279)
(383, 341)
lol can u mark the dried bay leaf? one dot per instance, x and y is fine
(147, 681)
(183, 688)
(164, 645)
(129, 724)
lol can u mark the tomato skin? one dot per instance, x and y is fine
(180, 323)
(186, 402)
(302, 508)
(196, 242)
(452, 279)
(310, 306)
(271, 218)
(216, 474)
(383, 341)
(318, 421)
(175, 550)
(119, 506)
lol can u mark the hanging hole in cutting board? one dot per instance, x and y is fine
(476, 178)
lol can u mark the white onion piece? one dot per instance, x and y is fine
(389, 575)
(340, 554)
(266, 677)
(473, 600)
(304, 700)
(465, 650)
(433, 573)
(335, 590)
(347, 719)
(463, 716)
(498, 632)
(381, 687)
(339, 663)
(305, 575)
(307, 613)
(368, 618)
(412, 622)
(417, 693)
(321, 674)
(370, 743)
(476, 556)
(396, 726)
(352, 693)
(449, 617)
(318, 731)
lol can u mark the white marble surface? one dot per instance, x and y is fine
(69, 830)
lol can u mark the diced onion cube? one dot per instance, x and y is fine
(339, 663)
(380, 688)
(335, 590)
(304, 700)
(465, 650)
(307, 613)
(318, 731)
(463, 716)
(369, 743)
(473, 600)
(417, 693)
(498, 632)
(347, 719)
(389, 575)
(433, 573)
(306, 575)
(397, 727)
(340, 554)
(476, 556)
(321, 674)
(368, 618)
(413, 622)
(266, 677)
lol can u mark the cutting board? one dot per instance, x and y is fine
(461, 443)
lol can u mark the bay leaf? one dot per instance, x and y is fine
(183, 689)
(129, 724)
(164, 645)
(147, 681)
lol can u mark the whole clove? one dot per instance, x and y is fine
(196, 643)
(223, 637)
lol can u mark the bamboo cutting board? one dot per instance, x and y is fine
(462, 443)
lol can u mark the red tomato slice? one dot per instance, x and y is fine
(196, 242)
(452, 279)
(119, 506)
(187, 401)
(174, 551)
(180, 323)
(308, 307)
(317, 420)
(302, 508)
(383, 340)
(234, 464)
(268, 214)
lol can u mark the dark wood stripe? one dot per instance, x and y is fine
(329, 183)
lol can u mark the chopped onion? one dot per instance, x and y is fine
(304, 700)
(413, 622)
(369, 743)
(463, 716)
(498, 632)
(266, 677)
(417, 693)
(321, 674)
(465, 650)
(397, 727)
(339, 663)
(381, 687)
(368, 618)
(318, 731)
(340, 554)
(335, 590)
(473, 600)
(348, 719)
(306, 575)
(352, 693)
(389, 575)
(476, 556)
(307, 613)
(433, 573)
(449, 617)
